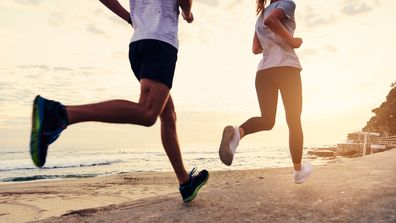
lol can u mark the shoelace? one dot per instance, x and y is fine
(190, 175)
(192, 172)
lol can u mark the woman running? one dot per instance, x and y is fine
(279, 70)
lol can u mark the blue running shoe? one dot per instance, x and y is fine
(48, 121)
(190, 189)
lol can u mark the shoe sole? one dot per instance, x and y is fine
(190, 198)
(35, 140)
(225, 153)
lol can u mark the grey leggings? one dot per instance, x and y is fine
(287, 80)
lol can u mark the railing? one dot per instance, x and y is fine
(367, 145)
(390, 140)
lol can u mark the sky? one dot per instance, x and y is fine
(76, 52)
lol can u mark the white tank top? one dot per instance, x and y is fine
(155, 19)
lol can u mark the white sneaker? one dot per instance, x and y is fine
(229, 143)
(303, 174)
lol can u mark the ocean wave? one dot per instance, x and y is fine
(47, 177)
(17, 168)
(105, 163)
(11, 152)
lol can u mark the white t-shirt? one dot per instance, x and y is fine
(276, 51)
(155, 19)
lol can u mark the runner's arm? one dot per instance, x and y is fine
(274, 22)
(256, 48)
(186, 6)
(118, 9)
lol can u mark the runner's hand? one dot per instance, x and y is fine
(295, 42)
(189, 18)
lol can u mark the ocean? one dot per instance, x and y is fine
(16, 164)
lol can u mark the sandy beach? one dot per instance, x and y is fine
(361, 189)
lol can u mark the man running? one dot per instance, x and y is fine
(152, 54)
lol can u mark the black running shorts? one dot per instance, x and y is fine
(154, 60)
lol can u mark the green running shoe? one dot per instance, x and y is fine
(48, 121)
(190, 189)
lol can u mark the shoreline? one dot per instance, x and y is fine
(18, 167)
(335, 192)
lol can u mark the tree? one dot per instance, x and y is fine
(384, 120)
